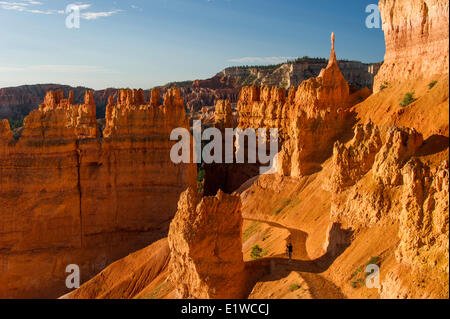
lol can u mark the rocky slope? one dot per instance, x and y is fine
(68, 196)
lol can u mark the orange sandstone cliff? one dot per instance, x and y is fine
(416, 34)
(68, 196)
(416, 63)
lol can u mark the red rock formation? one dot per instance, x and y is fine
(309, 118)
(223, 115)
(417, 34)
(68, 197)
(401, 144)
(263, 107)
(317, 117)
(394, 186)
(206, 247)
(5, 131)
(366, 153)
(424, 218)
(355, 160)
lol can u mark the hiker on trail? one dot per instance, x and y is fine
(290, 249)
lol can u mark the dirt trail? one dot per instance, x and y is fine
(297, 238)
(279, 267)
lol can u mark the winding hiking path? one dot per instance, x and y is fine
(279, 267)
(297, 238)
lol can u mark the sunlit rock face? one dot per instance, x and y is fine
(416, 34)
(317, 114)
(68, 196)
(206, 247)
(309, 118)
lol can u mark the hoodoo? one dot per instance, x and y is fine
(206, 247)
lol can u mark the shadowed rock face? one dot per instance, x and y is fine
(206, 247)
(69, 197)
(416, 34)
(227, 177)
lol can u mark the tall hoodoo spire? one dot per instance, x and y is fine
(332, 41)
(333, 59)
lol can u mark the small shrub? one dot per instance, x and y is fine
(384, 86)
(432, 84)
(357, 271)
(256, 253)
(374, 261)
(200, 179)
(407, 99)
(15, 124)
(294, 287)
(358, 278)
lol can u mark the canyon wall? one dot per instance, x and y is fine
(416, 35)
(68, 196)
(292, 73)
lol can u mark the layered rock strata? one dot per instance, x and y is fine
(70, 197)
(355, 160)
(416, 35)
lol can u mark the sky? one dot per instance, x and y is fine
(144, 43)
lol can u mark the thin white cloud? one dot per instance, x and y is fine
(262, 60)
(96, 15)
(25, 6)
(30, 7)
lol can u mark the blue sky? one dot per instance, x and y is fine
(143, 43)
